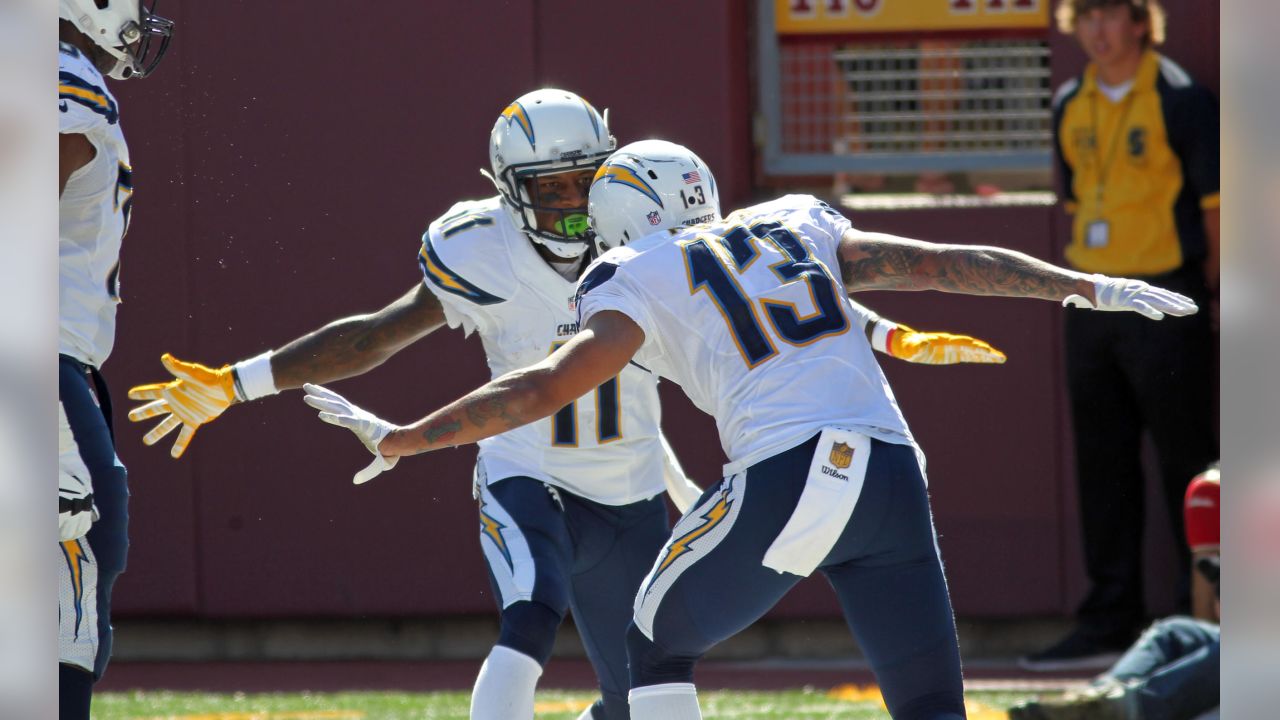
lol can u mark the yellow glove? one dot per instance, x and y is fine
(197, 396)
(937, 348)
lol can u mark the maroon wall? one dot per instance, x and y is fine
(287, 157)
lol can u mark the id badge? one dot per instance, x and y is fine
(1097, 234)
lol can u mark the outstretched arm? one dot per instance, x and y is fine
(341, 349)
(927, 348)
(876, 261)
(357, 344)
(598, 352)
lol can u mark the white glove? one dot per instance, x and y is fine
(371, 429)
(1118, 294)
(76, 511)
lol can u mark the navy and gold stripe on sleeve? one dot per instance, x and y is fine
(76, 89)
(442, 277)
(465, 224)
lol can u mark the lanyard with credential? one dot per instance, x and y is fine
(1097, 232)
(1104, 164)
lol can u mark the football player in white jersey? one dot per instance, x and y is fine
(748, 315)
(571, 512)
(123, 39)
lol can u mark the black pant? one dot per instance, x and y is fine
(1125, 374)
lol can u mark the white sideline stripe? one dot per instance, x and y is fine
(515, 581)
(69, 461)
(650, 596)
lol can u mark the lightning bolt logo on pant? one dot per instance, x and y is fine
(713, 517)
(73, 553)
(493, 529)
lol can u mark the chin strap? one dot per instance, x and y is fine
(492, 179)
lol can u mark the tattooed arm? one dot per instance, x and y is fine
(597, 353)
(355, 345)
(198, 395)
(875, 261)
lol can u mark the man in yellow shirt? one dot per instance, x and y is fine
(1137, 145)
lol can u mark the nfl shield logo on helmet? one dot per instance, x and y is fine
(841, 455)
(654, 218)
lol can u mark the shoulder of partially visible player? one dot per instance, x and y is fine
(72, 60)
(84, 99)
(75, 63)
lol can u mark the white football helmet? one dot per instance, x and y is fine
(649, 186)
(124, 28)
(546, 132)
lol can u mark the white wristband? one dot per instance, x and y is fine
(881, 333)
(253, 377)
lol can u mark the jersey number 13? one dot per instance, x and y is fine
(715, 270)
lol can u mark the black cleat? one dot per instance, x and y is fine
(1077, 651)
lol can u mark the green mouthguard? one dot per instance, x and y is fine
(572, 225)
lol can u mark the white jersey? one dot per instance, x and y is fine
(747, 316)
(491, 280)
(93, 213)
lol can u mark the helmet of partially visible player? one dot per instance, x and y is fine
(649, 186)
(547, 132)
(128, 30)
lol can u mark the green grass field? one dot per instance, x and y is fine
(841, 702)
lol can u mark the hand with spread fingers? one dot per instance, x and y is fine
(369, 428)
(197, 395)
(1123, 294)
(939, 348)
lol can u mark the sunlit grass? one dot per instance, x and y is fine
(846, 701)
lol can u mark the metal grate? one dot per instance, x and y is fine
(833, 104)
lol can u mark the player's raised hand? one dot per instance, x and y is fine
(1120, 294)
(371, 429)
(195, 396)
(939, 348)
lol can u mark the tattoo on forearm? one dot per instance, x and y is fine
(975, 271)
(882, 268)
(1003, 273)
(487, 409)
(353, 345)
(442, 430)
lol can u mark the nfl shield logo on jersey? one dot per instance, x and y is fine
(841, 455)
(654, 218)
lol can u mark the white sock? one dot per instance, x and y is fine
(672, 701)
(504, 687)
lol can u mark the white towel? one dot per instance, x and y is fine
(831, 491)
